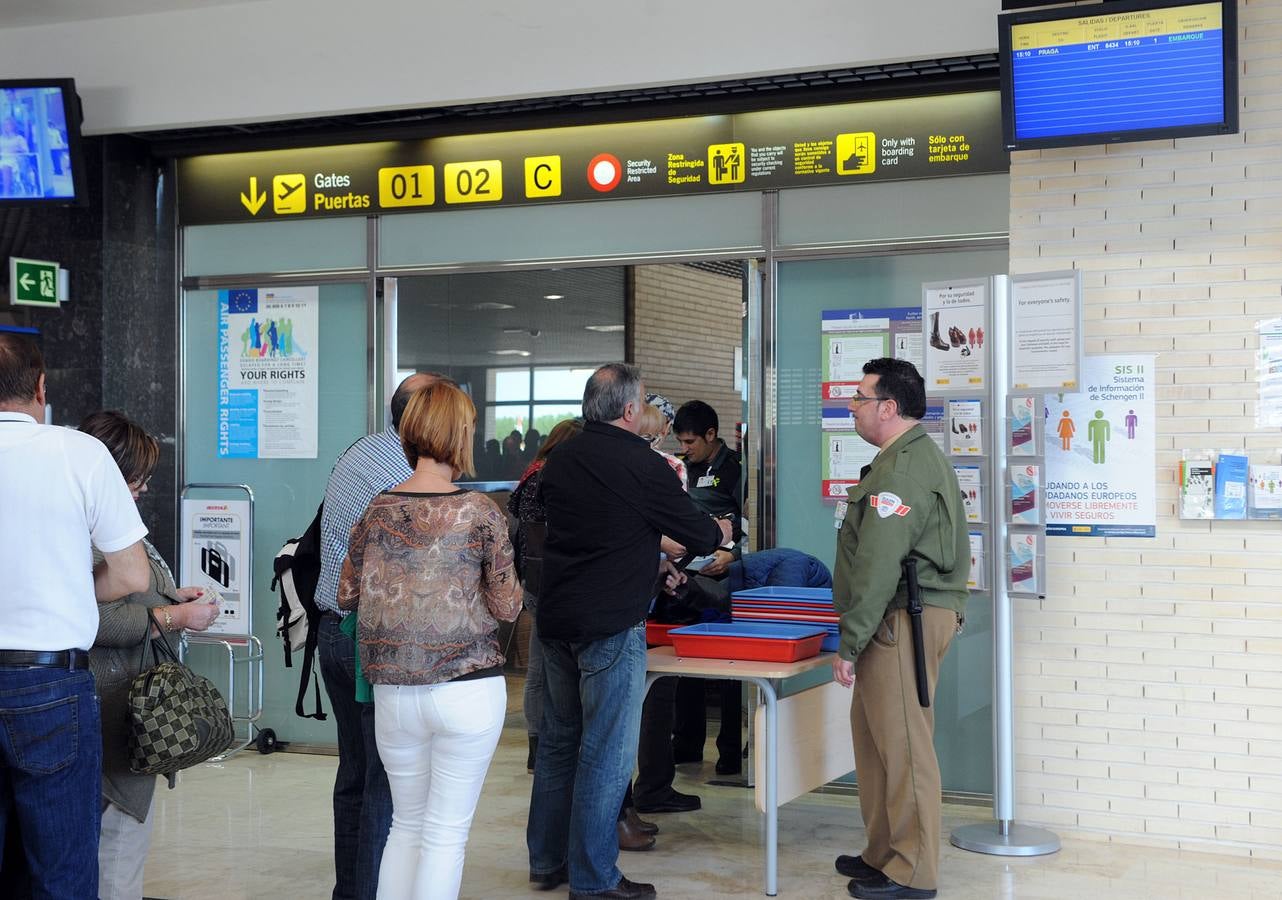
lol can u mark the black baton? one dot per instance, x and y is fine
(919, 641)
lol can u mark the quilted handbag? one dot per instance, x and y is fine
(177, 718)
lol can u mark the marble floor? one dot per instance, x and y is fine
(259, 827)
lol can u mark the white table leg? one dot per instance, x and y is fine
(772, 785)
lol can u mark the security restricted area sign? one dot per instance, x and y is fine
(881, 140)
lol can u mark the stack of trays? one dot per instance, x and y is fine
(748, 641)
(790, 606)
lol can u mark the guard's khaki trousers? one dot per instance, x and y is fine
(895, 764)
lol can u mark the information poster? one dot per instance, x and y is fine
(956, 343)
(268, 372)
(1046, 332)
(1101, 456)
(846, 353)
(1268, 408)
(844, 455)
(214, 542)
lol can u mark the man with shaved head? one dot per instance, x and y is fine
(362, 800)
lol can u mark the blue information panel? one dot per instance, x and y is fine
(1118, 73)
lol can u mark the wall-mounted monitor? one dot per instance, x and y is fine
(40, 156)
(1119, 71)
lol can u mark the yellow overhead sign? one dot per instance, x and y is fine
(406, 186)
(474, 182)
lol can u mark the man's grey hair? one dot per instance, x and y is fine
(611, 388)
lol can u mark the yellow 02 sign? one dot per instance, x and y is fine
(474, 182)
(406, 186)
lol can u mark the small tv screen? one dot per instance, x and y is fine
(40, 159)
(1119, 71)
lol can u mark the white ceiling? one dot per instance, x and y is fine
(21, 13)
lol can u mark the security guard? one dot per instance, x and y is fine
(907, 504)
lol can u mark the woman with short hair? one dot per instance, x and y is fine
(430, 573)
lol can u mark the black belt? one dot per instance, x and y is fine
(53, 659)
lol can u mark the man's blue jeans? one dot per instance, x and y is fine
(51, 775)
(592, 693)
(362, 799)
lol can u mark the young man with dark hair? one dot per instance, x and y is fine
(61, 495)
(906, 505)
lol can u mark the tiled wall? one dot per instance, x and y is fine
(1149, 681)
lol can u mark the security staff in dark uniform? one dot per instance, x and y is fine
(908, 504)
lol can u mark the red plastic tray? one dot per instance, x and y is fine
(656, 634)
(760, 649)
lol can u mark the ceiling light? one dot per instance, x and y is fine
(510, 352)
(554, 296)
(492, 305)
(604, 327)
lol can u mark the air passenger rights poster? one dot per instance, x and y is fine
(1101, 451)
(268, 372)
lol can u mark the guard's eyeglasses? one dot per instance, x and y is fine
(860, 398)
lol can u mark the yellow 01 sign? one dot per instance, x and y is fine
(406, 186)
(474, 182)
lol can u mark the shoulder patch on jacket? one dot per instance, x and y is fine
(888, 504)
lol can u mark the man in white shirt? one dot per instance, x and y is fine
(60, 494)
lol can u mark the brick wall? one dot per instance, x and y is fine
(1149, 681)
(685, 326)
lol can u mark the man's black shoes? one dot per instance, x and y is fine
(549, 881)
(855, 867)
(624, 890)
(882, 888)
(672, 801)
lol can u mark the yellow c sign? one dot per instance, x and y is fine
(542, 176)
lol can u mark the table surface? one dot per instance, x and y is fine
(663, 660)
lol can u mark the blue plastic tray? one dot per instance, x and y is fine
(771, 630)
(812, 595)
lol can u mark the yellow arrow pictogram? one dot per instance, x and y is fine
(254, 202)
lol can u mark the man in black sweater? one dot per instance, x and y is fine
(608, 498)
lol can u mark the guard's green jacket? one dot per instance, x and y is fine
(908, 503)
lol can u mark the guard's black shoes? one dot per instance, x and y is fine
(549, 881)
(624, 890)
(855, 867)
(883, 888)
(673, 801)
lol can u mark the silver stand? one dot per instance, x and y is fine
(1002, 837)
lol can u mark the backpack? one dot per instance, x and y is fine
(296, 571)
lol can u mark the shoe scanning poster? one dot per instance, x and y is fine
(268, 372)
(1101, 451)
(214, 541)
(954, 331)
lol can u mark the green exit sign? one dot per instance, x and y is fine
(33, 282)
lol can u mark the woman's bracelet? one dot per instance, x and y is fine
(169, 621)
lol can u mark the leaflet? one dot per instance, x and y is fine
(965, 427)
(1021, 427)
(976, 580)
(1197, 489)
(1025, 482)
(972, 491)
(1023, 563)
(1230, 486)
(1266, 492)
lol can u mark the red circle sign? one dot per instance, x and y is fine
(605, 172)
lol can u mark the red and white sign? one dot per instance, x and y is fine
(605, 172)
(840, 390)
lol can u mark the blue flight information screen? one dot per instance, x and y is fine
(1158, 68)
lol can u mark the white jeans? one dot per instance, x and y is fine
(122, 853)
(436, 742)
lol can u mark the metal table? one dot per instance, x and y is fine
(663, 661)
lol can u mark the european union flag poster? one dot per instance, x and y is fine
(268, 372)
